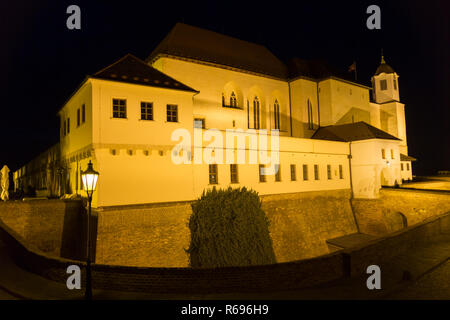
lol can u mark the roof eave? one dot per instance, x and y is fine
(145, 85)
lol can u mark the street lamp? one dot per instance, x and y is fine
(89, 178)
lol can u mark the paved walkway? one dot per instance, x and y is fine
(425, 270)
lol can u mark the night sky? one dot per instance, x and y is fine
(43, 62)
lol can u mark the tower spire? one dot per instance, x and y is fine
(382, 56)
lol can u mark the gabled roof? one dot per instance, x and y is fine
(133, 70)
(190, 42)
(351, 132)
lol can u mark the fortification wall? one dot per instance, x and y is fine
(300, 223)
(157, 235)
(56, 227)
(290, 275)
(397, 208)
(152, 235)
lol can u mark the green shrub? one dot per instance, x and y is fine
(229, 228)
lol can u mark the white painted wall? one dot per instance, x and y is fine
(370, 171)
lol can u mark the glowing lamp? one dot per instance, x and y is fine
(89, 178)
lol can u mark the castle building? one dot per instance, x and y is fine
(334, 133)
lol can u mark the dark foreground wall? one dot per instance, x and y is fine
(290, 275)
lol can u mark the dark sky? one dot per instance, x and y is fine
(43, 62)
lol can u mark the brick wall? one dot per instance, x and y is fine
(56, 227)
(381, 216)
(157, 235)
(153, 235)
(300, 223)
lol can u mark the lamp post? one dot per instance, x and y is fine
(89, 178)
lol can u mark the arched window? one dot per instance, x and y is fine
(256, 113)
(223, 100)
(233, 101)
(310, 116)
(276, 114)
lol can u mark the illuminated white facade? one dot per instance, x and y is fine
(123, 117)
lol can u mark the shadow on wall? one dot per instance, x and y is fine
(74, 234)
(56, 227)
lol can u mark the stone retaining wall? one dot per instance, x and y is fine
(157, 235)
(384, 215)
(291, 275)
(56, 227)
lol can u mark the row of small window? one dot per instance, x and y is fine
(407, 166)
(120, 110)
(383, 153)
(383, 84)
(234, 177)
(81, 118)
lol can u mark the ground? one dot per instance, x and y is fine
(434, 285)
(432, 183)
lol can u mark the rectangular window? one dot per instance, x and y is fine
(146, 110)
(316, 172)
(277, 173)
(83, 113)
(401, 165)
(213, 174)
(305, 172)
(383, 154)
(395, 84)
(119, 108)
(262, 176)
(383, 84)
(172, 113)
(234, 173)
(68, 125)
(341, 173)
(293, 173)
(199, 123)
(407, 167)
(392, 154)
(78, 117)
(329, 171)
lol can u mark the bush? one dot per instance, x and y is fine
(229, 228)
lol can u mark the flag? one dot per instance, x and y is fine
(352, 67)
